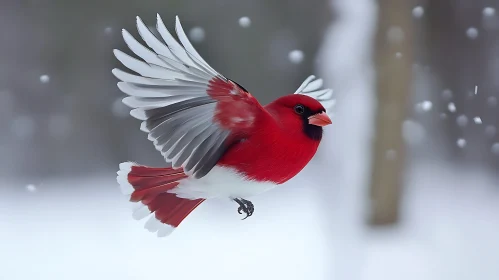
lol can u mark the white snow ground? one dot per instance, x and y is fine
(82, 229)
(449, 229)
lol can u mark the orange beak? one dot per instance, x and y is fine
(321, 119)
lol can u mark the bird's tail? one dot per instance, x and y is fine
(148, 188)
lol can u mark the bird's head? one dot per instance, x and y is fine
(302, 111)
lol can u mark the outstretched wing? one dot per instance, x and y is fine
(313, 88)
(188, 109)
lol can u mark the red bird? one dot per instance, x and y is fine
(219, 140)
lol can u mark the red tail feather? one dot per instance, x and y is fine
(148, 186)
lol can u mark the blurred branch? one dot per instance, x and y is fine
(393, 67)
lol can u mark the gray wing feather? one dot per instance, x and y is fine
(191, 146)
(179, 133)
(182, 150)
(202, 152)
(168, 91)
(215, 153)
(168, 131)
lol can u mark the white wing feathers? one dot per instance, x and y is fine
(170, 96)
(313, 88)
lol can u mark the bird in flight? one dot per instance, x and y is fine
(219, 140)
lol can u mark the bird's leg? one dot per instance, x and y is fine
(245, 206)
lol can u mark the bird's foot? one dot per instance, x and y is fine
(245, 206)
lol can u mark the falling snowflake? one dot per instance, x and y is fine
(477, 120)
(296, 56)
(426, 105)
(462, 120)
(461, 143)
(451, 107)
(31, 188)
(472, 33)
(197, 34)
(488, 12)
(418, 12)
(398, 55)
(108, 30)
(245, 22)
(44, 79)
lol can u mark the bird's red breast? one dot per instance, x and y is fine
(272, 153)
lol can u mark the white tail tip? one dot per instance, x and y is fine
(122, 178)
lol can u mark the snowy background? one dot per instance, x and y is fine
(64, 131)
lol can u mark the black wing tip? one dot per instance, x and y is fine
(239, 85)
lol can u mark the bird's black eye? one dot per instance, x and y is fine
(299, 109)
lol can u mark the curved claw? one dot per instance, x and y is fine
(244, 210)
(245, 206)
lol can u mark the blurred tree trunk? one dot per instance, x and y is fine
(393, 67)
